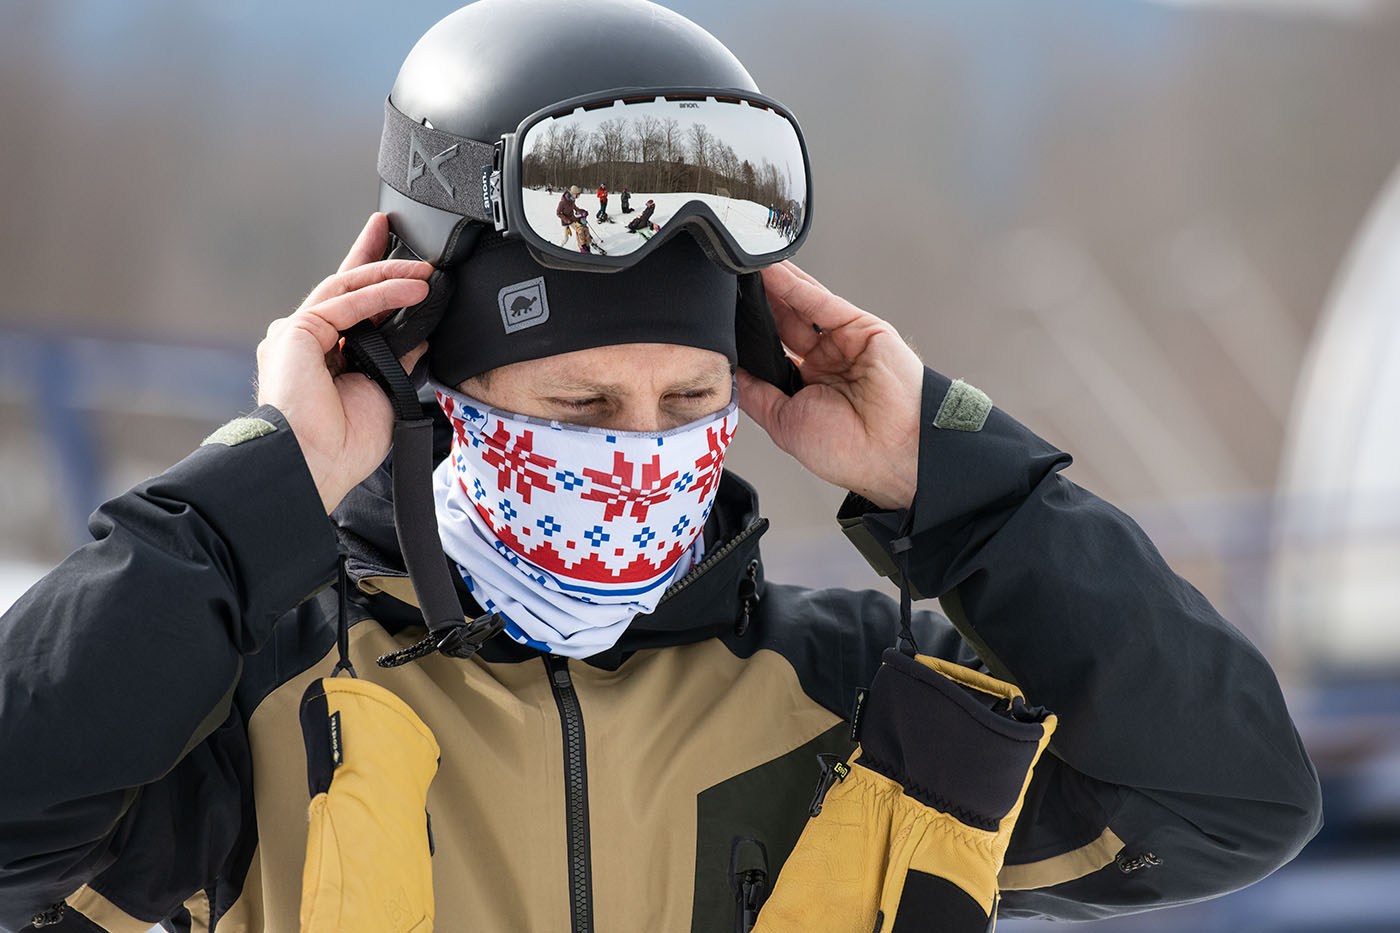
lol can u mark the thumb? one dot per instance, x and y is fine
(411, 358)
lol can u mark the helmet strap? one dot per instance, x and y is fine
(415, 516)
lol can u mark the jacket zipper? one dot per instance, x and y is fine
(575, 796)
(575, 769)
(714, 557)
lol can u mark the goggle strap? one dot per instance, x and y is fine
(436, 168)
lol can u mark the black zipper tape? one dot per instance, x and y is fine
(578, 853)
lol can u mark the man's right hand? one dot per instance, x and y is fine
(343, 421)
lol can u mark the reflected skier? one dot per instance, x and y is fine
(642, 222)
(603, 204)
(567, 210)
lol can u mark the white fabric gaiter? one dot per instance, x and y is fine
(569, 531)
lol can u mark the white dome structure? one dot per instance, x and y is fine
(1335, 579)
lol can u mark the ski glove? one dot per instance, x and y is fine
(369, 761)
(910, 835)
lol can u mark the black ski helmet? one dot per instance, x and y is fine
(481, 70)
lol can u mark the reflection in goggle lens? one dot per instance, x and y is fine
(639, 164)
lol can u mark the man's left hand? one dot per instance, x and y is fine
(856, 421)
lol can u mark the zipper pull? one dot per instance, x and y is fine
(748, 879)
(751, 889)
(50, 916)
(833, 770)
(558, 670)
(748, 595)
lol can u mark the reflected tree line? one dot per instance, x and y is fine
(651, 154)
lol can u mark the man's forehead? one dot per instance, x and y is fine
(626, 364)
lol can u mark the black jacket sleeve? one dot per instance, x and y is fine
(1176, 773)
(121, 662)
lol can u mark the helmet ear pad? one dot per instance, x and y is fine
(760, 350)
(408, 327)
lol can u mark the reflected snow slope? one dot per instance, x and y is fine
(747, 220)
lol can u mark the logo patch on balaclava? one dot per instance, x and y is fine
(523, 305)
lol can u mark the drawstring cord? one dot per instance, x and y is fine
(342, 623)
(901, 546)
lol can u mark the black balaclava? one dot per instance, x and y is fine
(507, 308)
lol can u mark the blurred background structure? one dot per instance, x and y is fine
(1166, 235)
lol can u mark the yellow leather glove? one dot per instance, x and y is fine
(911, 834)
(368, 852)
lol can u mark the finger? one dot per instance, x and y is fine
(760, 400)
(275, 327)
(360, 276)
(805, 276)
(326, 320)
(813, 321)
(797, 335)
(269, 341)
(785, 293)
(812, 302)
(411, 358)
(370, 244)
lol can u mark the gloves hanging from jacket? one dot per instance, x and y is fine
(911, 834)
(369, 762)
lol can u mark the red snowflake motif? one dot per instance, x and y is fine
(616, 491)
(709, 466)
(449, 408)
(459, 428)
(516, 460)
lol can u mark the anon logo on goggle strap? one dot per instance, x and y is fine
(419, 160)
(523, 304)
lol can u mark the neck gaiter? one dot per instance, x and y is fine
(569, 531)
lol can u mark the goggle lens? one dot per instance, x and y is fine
(742, 160)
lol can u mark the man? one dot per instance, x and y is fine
(567, 210)
(602, 203)
(635, 749)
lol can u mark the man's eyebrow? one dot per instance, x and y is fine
(701, 381)
(553, 386)
(581, 387)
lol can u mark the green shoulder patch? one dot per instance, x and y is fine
(964, 408)
(239, 430)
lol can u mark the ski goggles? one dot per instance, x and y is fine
(730, 166)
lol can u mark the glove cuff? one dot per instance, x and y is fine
(973, 766)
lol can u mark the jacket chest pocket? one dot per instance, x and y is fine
(762, 810)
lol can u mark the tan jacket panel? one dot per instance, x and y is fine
(666, 726)
(104, 913)
(497, 802)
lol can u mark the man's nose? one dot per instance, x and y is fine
(641, 418)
